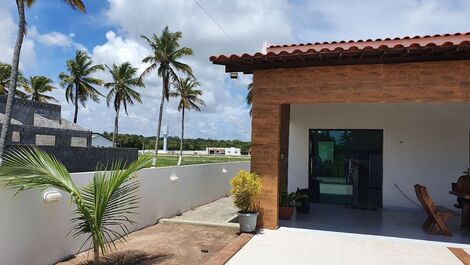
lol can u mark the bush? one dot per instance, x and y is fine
(246, 186)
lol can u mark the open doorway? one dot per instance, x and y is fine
(345, 167)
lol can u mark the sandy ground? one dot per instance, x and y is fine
(164, 244)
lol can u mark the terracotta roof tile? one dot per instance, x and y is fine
(411, 45)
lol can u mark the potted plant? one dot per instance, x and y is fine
(246, 186)
(287, 203)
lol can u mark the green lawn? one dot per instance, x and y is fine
(167, 161)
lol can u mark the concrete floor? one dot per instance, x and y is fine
(404, 223)
(216, 213)
(305, 246)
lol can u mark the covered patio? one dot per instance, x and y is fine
(402, 223)
(412, 92)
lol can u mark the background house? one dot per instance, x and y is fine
(98, 140)
(40, 124)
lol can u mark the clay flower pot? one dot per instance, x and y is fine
(286, 212)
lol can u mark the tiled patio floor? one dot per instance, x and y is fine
(304, 246)
(404, 223)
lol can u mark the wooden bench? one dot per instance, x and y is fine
(437, 215)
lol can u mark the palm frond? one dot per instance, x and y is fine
(103, 206)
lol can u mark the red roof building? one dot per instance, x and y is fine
(406, 49)
(401, 105)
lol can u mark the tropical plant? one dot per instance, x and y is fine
(287, 199)
(78, 82)
(75, 4)
(36, 87)
(5, 73)
(102, 206)
(165, 60)
(189, 99)
(246, 186)
(124, 77)
(249, 96)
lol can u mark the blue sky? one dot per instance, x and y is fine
(110, 32)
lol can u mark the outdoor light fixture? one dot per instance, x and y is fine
(234, 75)
(224, 170)
(173, 178)
(51, 195)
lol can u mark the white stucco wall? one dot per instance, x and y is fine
(34, 232)
(100, 141)
(426, 143)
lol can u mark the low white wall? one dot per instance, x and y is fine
(426, 143)
(34, 232)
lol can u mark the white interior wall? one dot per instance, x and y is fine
(34, 232)
(426, 143)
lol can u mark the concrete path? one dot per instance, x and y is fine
(217, 213)
(303, 246)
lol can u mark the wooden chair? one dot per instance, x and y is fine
(437, 215)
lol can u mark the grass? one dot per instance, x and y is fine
(168, 160)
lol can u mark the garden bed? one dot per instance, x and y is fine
(164, 244)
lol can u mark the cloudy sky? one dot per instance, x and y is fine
(110, 32)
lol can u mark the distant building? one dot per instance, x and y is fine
(36, 123)
(98, 140)
(232, 151)
(40, 124)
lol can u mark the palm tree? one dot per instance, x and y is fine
(189, 99)
(165, 60)
(75, 4)
(124, 77)
(102, 206)
(78, 82)
(249, 96)
(5, 73)
(36, 86)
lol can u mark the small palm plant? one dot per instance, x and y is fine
(103, 205)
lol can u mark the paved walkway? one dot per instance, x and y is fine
(303, 246)
(217, 213)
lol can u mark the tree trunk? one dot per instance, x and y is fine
(13, 76)
(96, 254)
(182, 137)
(116, 126)
(160, 117)
(76, 105)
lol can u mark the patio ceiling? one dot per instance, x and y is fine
(398, 50)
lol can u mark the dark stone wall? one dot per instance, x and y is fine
(23, 110)
(62, 136)
(83, 159)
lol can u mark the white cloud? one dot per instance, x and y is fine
(55, 38)
(248, 22)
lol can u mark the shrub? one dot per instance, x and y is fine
(246, 186)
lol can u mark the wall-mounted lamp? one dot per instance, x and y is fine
(224, 170)
(173, 178)
(51, 195)
(234, 75)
